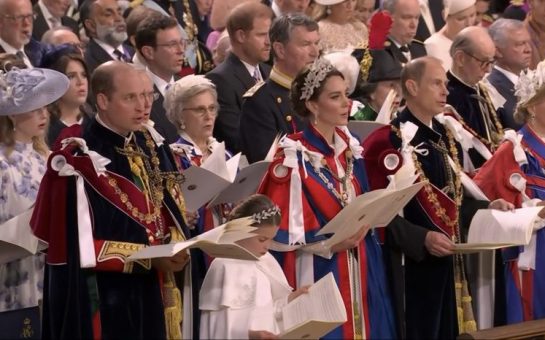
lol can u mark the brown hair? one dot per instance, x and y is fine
(242, 17)
(253, 205)
(7, 128)
(297, 85)
(414, 70)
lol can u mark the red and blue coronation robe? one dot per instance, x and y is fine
(320, 205)
(524, 288)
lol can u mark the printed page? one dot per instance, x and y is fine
(322, 305)
(200, 186)
(505, 227)
(245, 184)
(16, 238)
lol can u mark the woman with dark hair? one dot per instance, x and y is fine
(71, 108)
(315, 174)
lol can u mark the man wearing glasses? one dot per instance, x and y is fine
(472, 53)
(16, 21)
(160, 46)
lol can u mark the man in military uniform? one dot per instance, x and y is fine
(266, 110)
(401, 44)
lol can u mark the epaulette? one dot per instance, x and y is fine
(418, 41)
(253, 89)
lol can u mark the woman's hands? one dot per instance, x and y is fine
(261, 335)
(352, 241)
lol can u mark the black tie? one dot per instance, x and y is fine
(121, 56)
(404, 49)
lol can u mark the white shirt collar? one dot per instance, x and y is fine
(101, 122)
(47, 15)
(250, 68)
(12, 50)
(514, 78)
(159, 82)
(211, 143)
(108, 48)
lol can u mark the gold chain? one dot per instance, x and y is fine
(342, 197)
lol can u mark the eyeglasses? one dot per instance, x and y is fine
(174, 44)
(20, 18)
(482, 63)
(201, 111)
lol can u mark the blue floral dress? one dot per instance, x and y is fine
(21, 281)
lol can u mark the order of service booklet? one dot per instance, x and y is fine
(316, 313)
(218, 242)
(493, 229)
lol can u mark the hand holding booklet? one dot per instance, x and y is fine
(493, 229)
(218, 242)
(314, 314)
(376, 208)
(220, 181)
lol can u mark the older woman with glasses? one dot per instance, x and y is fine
(191, 105)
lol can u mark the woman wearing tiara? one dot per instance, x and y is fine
(515, 173)
(315, 174)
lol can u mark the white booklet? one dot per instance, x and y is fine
(218, 242)
(493, 229)
(17, 240)
(376, 208)
(219, 181)
(316, 313)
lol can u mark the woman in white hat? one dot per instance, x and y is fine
(23, 156)
(458, 15)
(339, 28)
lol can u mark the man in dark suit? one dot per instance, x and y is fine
(248, 26)
(513, 55)
(160, 46)
(15, 32)
(267, 110)
(51, 14)
(105, 26)
(431, 19)
(401, 44)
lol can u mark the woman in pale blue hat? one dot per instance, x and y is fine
(24, 93)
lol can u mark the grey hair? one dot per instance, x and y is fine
(389, 5)
(501, 29)
(283, 26)
(183, 90)
(47, 37)
(462, 42)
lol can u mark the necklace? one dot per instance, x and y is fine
(343, 195)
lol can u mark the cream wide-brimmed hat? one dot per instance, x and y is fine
(455, 6)
(328, 2)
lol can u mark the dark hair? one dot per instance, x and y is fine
(135, 17)
(85, 13)
(297, 88)
(60, 64)
(146, 31)
(414, 70)
(253, 205)
(283, 26)
(242, 17)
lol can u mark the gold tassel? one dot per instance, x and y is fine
(172, 301)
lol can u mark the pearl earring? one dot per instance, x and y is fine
(328, 10)
(182, 125)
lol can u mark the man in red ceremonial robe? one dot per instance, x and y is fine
(102, 199)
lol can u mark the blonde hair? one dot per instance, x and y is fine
(7, 138)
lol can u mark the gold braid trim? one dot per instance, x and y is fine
(498, 135)
(121, 251)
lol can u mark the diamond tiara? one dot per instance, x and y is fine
(314, 78)
(266, 214)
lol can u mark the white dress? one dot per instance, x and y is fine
(239, 295)
(21, 281)
(438, 46)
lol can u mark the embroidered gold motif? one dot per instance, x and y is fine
(121, 251)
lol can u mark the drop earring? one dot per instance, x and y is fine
(182, 125)
(328, 10)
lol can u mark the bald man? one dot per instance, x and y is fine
(95, 291)
(473, 53)
(420, 246)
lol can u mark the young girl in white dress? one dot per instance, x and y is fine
(243, 299)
